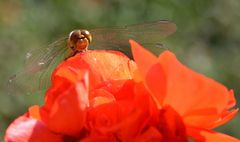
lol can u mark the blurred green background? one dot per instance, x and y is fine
(207, 39)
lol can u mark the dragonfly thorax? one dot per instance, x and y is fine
(79, 40)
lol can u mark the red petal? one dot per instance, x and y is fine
(150, 135)
(144, 58)
(136, 113)
(103, 117)
(200, 100)
(202, 135)
(125, 115)
(101, 65)
(25, 129)
(100, 96)
(171, 125)
(225, 117)
(34, 112)
(148, 64)
(66, 111)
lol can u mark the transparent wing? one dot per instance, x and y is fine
(40, 62)
(38, 67)
(148, 34)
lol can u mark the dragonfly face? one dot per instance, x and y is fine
(79, 40)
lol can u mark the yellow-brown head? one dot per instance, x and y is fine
(79, 40)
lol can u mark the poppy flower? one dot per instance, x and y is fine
(105, 96)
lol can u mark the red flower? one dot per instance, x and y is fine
(105, 96)
(201, 102)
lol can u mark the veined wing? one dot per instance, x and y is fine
(41, 62)
(148, 34)
(39, 65)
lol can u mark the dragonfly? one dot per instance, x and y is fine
(39, 64)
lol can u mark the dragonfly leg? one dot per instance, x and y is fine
(71, 55)
(74, 52)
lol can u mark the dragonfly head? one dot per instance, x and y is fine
(79, 40)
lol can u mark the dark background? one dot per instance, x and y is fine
(207, 39)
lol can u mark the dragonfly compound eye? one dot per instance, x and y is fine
(87, 34)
